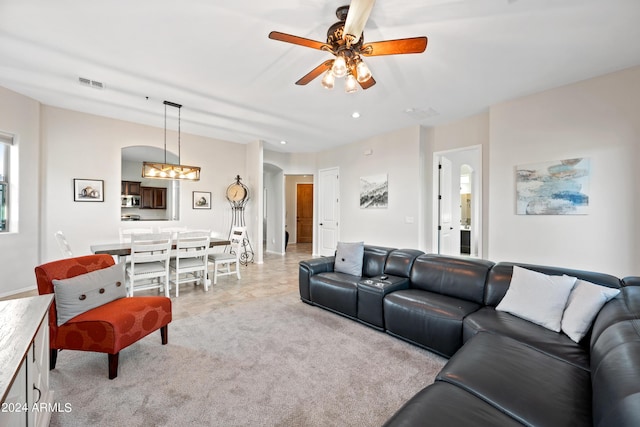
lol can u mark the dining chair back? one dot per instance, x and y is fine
(173, 230)
(126, 233)
(222, 261)
(189, 261)
(149, 267)
(63, 244)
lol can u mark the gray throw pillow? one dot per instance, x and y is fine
(349, 258)
(86, 291)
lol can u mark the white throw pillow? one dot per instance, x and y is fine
(537, 297)
(584, 303)
(86, 291)
(349, 258)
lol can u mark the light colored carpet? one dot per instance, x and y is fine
(272, 361)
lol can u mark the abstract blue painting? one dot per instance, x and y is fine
(553, 188)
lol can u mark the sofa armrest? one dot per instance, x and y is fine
(310, 268)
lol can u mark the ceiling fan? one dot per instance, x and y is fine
(345, 42)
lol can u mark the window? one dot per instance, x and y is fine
(6, 142)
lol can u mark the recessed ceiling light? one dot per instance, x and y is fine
(355, 115)
(283, 142)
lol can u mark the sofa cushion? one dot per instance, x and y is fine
(585, 301)
(427, 319)
(537, 297)
(87, 291)
(444, 404)
(487, 319)
(624, 306)
(349, 257)
(457, 277)
(374, 260)
(615, 370)
(335, 291)
(400, 262)
(524, 383)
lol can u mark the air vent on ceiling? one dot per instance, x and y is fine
(421, 113)
(91, 83)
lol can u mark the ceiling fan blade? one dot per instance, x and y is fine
(288, 38)
(359, 11)
(367, 83)
(315, 72)
(395, 47)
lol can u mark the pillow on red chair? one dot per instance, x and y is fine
(81, 293)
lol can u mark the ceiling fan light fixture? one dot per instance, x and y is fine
(350, 84)
(339, 67)
(328, 80)
(363, 72)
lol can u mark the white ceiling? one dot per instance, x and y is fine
(235, 84)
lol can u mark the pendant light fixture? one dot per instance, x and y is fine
(167, 170)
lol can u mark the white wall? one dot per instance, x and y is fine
(599, 119)
(254, 179)
(274, 203)
(292, 163)
(397, 154)
(20, 116)
(79, 145)
(471, 131)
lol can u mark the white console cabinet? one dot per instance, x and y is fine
(24, 358)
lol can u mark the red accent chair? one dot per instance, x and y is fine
(105, 329)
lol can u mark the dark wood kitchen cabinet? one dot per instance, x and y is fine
(153, 198)
(130, 188)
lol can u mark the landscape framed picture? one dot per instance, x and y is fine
(88, 190)
(374, 192)
(201, 200)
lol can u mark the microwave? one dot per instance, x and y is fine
(130, 201)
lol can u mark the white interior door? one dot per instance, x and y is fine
(446, 210)
(445, 215)
(328, 211)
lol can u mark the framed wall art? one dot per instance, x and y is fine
(374, 191)
(201, 200)
(553, 188)
(88, 190)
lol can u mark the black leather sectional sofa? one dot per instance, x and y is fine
(503, 370)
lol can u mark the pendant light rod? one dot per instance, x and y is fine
(166, 170)
(179, 107)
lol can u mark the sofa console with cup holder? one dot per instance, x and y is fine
(527, 344)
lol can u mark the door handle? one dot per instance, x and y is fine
(321, 224)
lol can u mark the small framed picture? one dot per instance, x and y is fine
(201, 200)
(88, 190)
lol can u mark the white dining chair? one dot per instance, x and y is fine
(189, 260)
(149, 266)
(173, 230)
(125, 233)
(222, 261)
(63, 244)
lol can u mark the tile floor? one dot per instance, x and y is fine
(278, 275)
